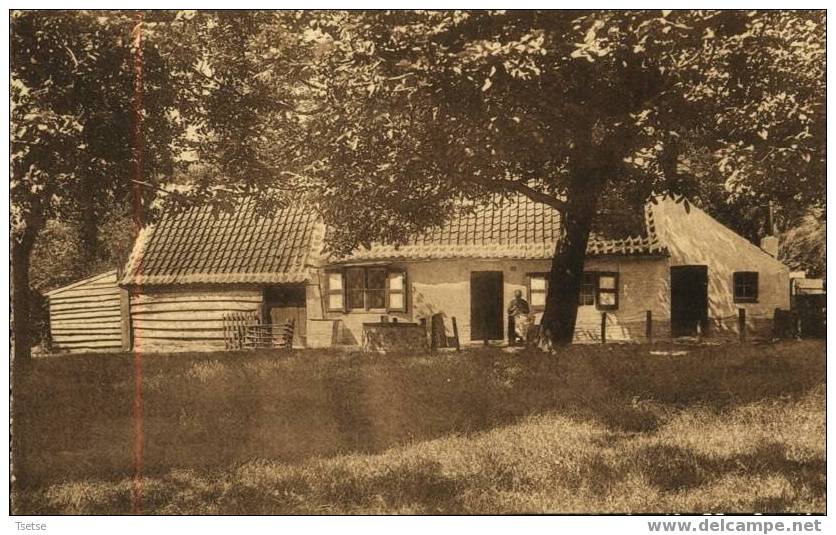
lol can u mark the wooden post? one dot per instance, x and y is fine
(648, 326)
(741, 323)
(125, 314)
(456, 334)
(485, 331)
(603, 327)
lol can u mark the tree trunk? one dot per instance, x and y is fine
(558, 323)
(88, 227)
(22, 245)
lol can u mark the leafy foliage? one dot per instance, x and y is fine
(390, 120)
(443, 105)
(76, 140)
(804, 246)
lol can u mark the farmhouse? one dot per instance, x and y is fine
(191, 272)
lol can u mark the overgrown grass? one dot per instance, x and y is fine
(735, 428)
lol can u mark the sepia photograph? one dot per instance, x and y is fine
(419, 262)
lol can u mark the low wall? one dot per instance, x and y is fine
(394, 337)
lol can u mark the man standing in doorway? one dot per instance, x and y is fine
(518, 313)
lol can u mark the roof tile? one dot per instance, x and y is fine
(242, 246)
(515, 228)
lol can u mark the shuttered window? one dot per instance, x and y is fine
(368, 288)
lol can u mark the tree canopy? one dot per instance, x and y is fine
(387, 120)
(568, 108)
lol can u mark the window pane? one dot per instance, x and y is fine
(606, 282)
(396, 301)
(377, 279)
(587, 296)
(606, 299)
(746, 285)
(396, 281)
(335, 281)
(335, 301)
(538, 299)
(537, 283)
(377, 298)
(356, 298)
(356, 279)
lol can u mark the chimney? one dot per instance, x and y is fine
(769, 244)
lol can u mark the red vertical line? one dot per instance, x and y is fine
(138, 221)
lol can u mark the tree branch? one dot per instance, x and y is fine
(520, 187)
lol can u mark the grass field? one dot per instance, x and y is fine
(731, 428)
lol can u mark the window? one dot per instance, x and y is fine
(334, 290)
(366, 288)
(397, 289)
(607, 290)
(355, 288)
(376, 288)
(599, 288)
(538, 285)
(587, 296)
(745, 287)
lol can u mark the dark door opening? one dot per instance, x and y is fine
(689, 300)
(284, 302)
(486, 305)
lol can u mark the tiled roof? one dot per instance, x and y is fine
(245, 247)
(237, 247)
(517, 228)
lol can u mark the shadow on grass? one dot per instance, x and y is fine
(73, 413)
(671, 468)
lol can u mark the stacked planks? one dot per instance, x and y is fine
(85, 316)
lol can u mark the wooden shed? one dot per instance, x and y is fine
(194, 271)
(86, 316)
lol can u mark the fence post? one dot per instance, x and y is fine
(741, 323)
(456, 334)
(648, 326)
(603, 327)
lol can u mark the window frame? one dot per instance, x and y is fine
(531, 291)
(594, 284)
(745, 284)
(329, 291)
(610, 291)
(347, 295)
(402, 291)
(367, 293)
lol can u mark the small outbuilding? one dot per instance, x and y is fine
(87, 315)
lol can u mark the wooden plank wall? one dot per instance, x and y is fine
(189, 319)
(85, 316)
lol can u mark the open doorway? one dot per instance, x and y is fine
(284, 302)
(486, 305)
(689, 300)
